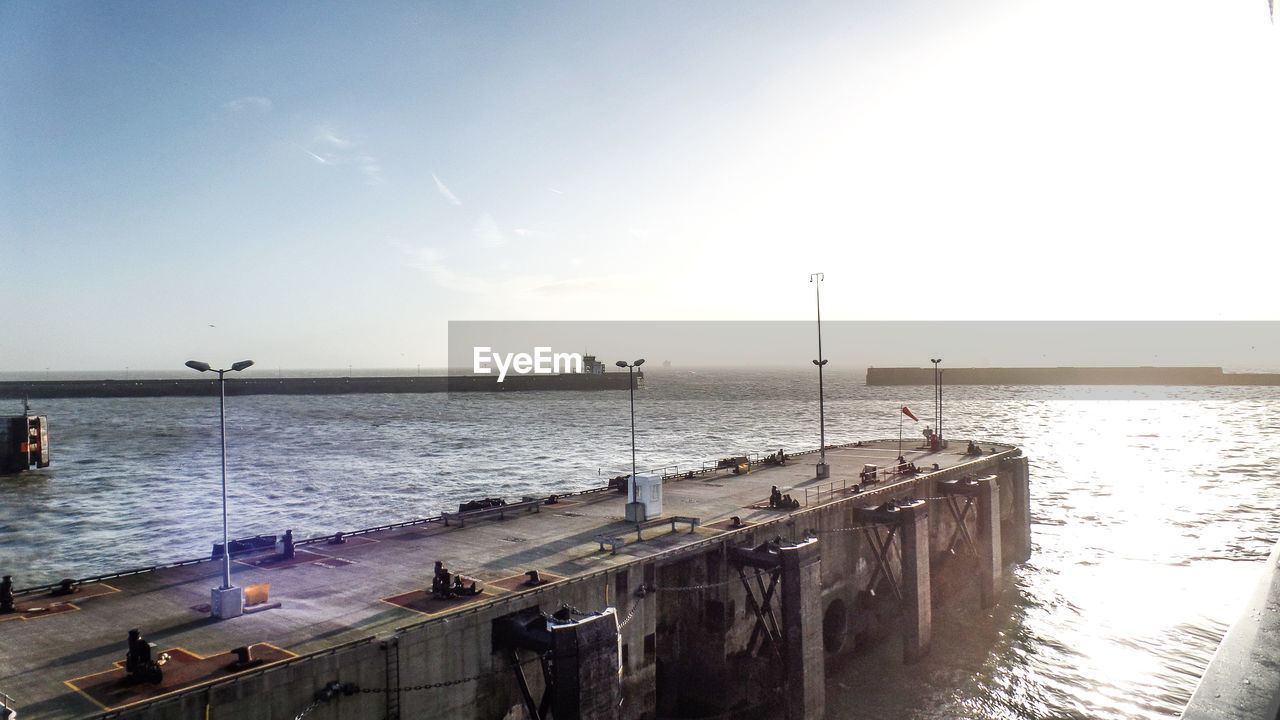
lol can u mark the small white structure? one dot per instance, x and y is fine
(644, 498)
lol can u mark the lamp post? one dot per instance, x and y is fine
(634, 513)
(224, 603)
(937, 398)
(823, 469)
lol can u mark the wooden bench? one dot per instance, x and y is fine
(499, 510)
(613, 542)
(693, 523)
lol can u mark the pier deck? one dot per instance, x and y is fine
(334, 594)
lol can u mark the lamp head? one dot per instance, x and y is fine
(241, 365)
(639, 362)
(197, 365)
(621, 363)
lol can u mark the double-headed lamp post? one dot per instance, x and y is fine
(635, 490)
(937, 397)
(219, 608)
(823, 469)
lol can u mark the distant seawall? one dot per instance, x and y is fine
(310, 386)
(1070, 376)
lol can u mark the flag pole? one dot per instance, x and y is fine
(900, 414)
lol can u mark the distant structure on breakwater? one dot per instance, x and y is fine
(1070, 376)
(312, 386)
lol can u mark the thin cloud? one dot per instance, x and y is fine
(327, 136)
(329, 147)
(370, 168)
(558, 192)
(487, 232)
(445, 192)
(247, 103)
(431, 261)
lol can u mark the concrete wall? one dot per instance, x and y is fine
(1242, 681)
(685, 637)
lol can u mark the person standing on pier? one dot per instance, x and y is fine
(6, 594)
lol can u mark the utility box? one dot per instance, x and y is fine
(646, 491)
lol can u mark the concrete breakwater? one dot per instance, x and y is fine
(1070, 376)
(725, 603)
(1242, 681)
(248, 385)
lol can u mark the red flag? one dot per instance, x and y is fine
(907, 411)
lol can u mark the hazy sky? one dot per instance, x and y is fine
(324, 185)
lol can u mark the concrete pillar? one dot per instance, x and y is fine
(917, 598)
(802, 631)
(990, 565)
(585, 658)
(1022, 509)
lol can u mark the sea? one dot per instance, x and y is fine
(1153, 508)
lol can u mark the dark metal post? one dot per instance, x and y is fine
(631, 378)
(937, 397)
(218, 597)
(222, 427)
(823, 470)
(631, 388)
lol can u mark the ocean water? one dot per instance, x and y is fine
(1153, 507)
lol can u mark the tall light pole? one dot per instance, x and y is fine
(223, 603)
(635, 514)
(823, 469)
(937, 398)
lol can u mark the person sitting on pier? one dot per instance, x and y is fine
(6, 594)
(775, 497)
(459, 589)
(441, 586)
(973, 449)
(138, 662)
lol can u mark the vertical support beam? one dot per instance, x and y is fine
(585, 661)
(990, 565)
(802, 631)
(917, 597)
(1022, 509)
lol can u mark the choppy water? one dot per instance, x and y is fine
(1153, 507)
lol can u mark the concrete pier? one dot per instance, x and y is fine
(738, 607)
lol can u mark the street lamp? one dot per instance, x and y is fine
(226, 601)
(824, 470)
(635, 510)
(937, 397)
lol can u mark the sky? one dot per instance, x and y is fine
(325, 185)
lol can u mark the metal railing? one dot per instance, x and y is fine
(669, 472)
